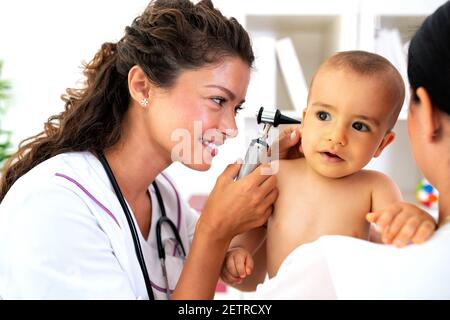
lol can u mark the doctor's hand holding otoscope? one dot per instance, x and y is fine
(287, 145)
(255, 168)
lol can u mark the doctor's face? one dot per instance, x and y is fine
(197, 115)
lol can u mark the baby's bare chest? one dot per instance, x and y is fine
(305, 213)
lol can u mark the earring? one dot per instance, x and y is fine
(144, 102)
(435, 134)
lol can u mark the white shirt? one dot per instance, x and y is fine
(339, 267)
(64, 235)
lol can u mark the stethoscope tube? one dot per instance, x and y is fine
(133, 231)
(137, 245)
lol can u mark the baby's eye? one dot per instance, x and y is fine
(323, 116)
(360, 126)
(219, 100)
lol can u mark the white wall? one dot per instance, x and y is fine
(43, 44)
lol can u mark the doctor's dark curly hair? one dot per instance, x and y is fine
(169, 37)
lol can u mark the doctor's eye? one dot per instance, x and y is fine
(359, 126)
(219, 100)
(237, 109)
(323, 116)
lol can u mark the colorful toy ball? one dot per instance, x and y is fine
(426, 194)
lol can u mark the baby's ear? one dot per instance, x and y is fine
(387, 140)
(303, 117)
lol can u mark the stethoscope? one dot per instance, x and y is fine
(137, 245)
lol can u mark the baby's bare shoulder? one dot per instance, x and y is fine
(373, 175)
(374, 178)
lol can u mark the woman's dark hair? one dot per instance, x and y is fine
(169, 37)
(429, 58)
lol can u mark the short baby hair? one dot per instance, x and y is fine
(371, 64)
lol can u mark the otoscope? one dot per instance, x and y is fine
(259, 147)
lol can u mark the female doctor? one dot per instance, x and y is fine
(86, 210)
(337, 267)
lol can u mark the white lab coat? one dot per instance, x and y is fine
(338, 267)
(64, 235)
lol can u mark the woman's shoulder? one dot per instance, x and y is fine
(41, 200)
(46, 180)
(53, 191)
(63, 162)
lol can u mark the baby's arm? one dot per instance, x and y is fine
(398, 222)
(402, 222)
(245, 262)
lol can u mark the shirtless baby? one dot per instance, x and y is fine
(354, 101)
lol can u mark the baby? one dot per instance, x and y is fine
(354, 101)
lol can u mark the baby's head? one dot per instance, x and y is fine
(354, 101)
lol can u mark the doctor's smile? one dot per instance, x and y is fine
(211, 147)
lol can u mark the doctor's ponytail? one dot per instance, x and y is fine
(82, 124)
(169, 37)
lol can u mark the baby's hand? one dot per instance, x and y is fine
(401, 223)
(238, 264)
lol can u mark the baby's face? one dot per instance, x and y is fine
(345, 123)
